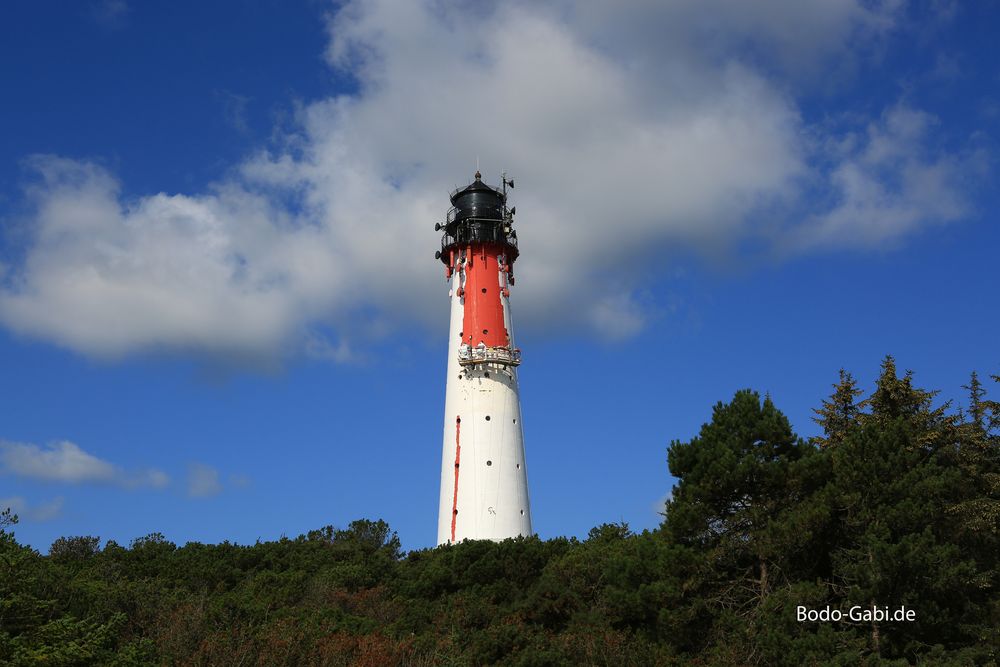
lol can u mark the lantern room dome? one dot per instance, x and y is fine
(477, 200)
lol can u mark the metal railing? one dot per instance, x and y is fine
(481, 354)
(480, 213)
(479, 233)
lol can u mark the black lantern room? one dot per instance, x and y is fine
(479, 214)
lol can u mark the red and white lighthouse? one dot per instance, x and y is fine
(484, 482)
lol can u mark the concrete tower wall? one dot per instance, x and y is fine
(484, 482)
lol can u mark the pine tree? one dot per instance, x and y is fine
(840, 412)
(977, 513)
(739, 506)
(896, 398)
(894, 479)
(978, 407)
(979, 459)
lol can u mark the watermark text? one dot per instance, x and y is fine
(857, 614)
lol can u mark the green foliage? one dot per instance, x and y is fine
(7, 519)
(74, 548)
(863, 515)
(840, 413)
(66, 641)
(897, 503)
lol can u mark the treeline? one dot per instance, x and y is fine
(897, 505)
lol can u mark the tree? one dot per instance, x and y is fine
(978, 407)
(75, 548)
(840, 412)
(740, 482)
(979, 460)
(7, 519)
(894, 477)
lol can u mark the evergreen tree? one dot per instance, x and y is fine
(840, 412)
(739, 505)
(894, 479)
(896, 400)
(977, 512)
(979, 459)
(978, 406)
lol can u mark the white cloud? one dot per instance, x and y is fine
(797, 37)
(152, 478)
(203, 481)
(44, 512)
(885, 185)
(62, 461)
(632, 129)
(66, 462)
(616, 316)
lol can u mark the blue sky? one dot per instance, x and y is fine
(221, 319)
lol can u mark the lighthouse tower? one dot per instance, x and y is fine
(484, 484)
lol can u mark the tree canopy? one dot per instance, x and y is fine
(895, 505)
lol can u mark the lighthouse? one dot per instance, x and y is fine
(484, 482)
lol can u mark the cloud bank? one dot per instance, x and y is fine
(633, 130)
(203, 481)
(33, 512)
(67, 462)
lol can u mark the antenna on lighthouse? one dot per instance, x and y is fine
(506, 182)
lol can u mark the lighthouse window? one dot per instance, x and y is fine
(489, 463)
(522, 512)
(485, 331)
(515, 421)
(487, 417)
(518, 466)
